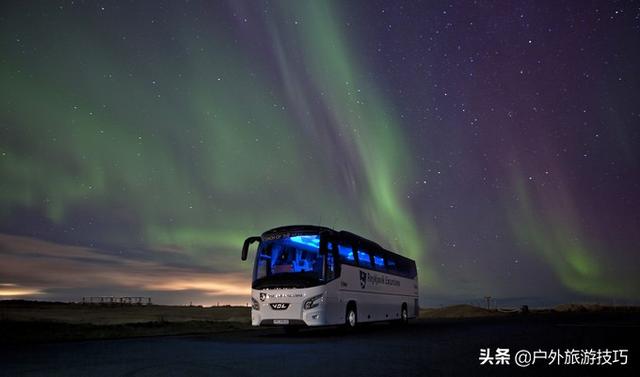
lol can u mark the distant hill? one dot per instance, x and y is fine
(594, 308)
(459, 311)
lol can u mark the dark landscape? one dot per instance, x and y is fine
(218, 341)
(442, 342)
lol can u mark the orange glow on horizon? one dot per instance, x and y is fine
(9, 290)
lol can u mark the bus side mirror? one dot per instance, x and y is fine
(245, 247)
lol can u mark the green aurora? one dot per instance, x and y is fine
(191, 133)
(213, 162)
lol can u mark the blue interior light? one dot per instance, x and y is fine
(363, 258)
(311, 241)
(346, 252)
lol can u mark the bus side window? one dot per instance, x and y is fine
(413, 271)
(378, 263)
(364, 259)
(392, 266)
(346, 253)
(404, 268)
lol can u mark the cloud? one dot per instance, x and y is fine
(51, 271)
(14, 290)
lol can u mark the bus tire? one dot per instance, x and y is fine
(351, 316)
(404, 315)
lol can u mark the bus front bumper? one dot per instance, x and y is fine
(309, 318)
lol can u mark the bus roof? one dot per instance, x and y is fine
(297, 229)
(343, 234)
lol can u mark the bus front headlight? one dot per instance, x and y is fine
(312, 302)
(254, 304)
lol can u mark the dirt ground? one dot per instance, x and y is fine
(425, 347)
(117, 314)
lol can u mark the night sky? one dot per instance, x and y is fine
(497, 143)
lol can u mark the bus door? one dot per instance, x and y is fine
(332, 292)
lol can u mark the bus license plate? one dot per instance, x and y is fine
(280, 321)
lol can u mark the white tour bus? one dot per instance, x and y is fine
(315, 276)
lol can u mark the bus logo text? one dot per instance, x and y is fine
(375, 279)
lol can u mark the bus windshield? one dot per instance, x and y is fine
(290, 261)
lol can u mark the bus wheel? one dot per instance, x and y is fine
(404, 315)
(351, 318)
